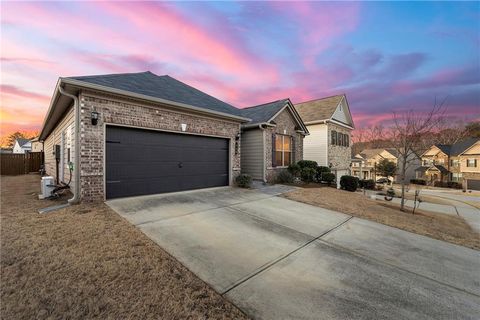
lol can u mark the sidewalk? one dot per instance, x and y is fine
(469, 213)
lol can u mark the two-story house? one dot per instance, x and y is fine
(330, 124)
(458, 162)
(365, 164)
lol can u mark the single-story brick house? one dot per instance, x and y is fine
(140, 134)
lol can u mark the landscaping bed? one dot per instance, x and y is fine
(435, 225)
(87, 262)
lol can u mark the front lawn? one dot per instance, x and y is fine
(87, 262)
(439, 226)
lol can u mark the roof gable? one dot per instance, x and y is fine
(21, 142)
(462, 146)
(342, 113)
(330, 108)
(163, 87)
(267, 112)
(264, 112)
(455, 149)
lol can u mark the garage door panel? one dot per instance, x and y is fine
(142, 162)
(204, 168)
(203, 155)
(129, 170)
(473, 184)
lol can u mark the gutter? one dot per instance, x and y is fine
(153, 99)
(76, 164)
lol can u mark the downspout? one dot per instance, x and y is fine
(76, 164)
(260, 126)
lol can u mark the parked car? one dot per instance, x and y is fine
(384, 180)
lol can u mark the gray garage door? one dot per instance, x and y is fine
(140, 162)
(473, 184)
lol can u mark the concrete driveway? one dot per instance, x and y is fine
(280, 259)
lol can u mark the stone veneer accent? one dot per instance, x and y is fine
(338, 156)
(116, 110)
(284, 121)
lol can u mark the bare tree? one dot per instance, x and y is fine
(406, 135)
(451, 132)
(375, 135)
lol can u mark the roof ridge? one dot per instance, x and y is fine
(312, 100)
(203, 92)
(113, 74)
(263, 104)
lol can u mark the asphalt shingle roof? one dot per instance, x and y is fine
(461, 146)
(458, 147)
(163, 87)
(320, 109)
(263, 112)
(22, 141)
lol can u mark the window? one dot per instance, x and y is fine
(334, 138)
(456, 177)
(471, 163)
(347, 139)
(454, 163)
(340, 139)
(283, 150)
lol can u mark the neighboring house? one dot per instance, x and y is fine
(458, 162)
(6, 150)
(272, 140)
(330, 124)
(37, 146)
(140, 133)
(365, 166)
(22, 146)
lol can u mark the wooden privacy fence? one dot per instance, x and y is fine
(14, 164)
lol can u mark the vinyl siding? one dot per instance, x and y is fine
(252, 160)
(315, 144)
(66, 127)
(340, 113)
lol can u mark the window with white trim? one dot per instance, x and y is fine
(471, 163)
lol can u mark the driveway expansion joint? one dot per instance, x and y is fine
(275, 261)
(201, 211)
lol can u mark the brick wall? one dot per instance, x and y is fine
(340, 157)
(114, 110)
(285, 125)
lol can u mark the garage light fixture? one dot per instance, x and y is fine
(94, 117)
(184, 127)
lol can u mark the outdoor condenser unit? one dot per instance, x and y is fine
(47, 186)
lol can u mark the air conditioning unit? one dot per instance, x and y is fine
(47, 186)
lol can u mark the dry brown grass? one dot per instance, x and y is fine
(439, 226)
(86, 262)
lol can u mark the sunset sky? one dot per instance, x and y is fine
(385, 56)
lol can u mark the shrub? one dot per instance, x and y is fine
(449, 184)
(349, 183)
(243, 180)
(321, 170)
(418, 181)
(368, 184)
(285, 176)
(294, 169)
(307, 164)
(307, 174)
(328, 177)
